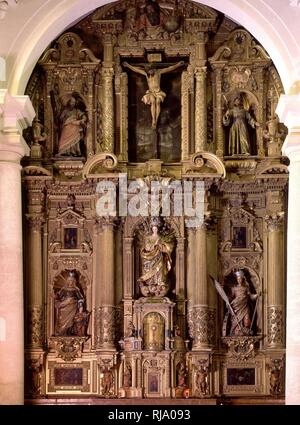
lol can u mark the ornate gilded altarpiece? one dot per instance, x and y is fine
(164, 92)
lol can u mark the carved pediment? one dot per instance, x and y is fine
(240, 47)
(69, 50)
(70, 217)
(240, 216)
(267, 168)
(157, 20)
(34, 170)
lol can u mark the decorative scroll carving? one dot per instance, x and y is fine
(35, 326)
(275, 326)
(204, 163)
(241, 348)
(201, 321)
(99, 164)
(107, 325)
(68, 348)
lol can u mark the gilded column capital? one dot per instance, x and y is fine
(275, 221)
(128, 244)
(35, 221)
(107, 72)
(109, 222)
(200, 73)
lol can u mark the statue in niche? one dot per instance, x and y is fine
(127, 376)
(201, 380)
(71, 122)
(67, 301)
(178, 339)
(275, 379)
(181, 374)
(241, 311)
(130, 331)
(154, 96)
(156, 262)
(154, 332)
(107, 381)
(239, 118)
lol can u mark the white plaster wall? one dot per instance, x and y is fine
(28, 28)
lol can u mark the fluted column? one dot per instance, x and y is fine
(200, 110)
(105, 309)
(180, 284)
(128, 280)
(218, 69)
(275, 282)
(186, 88)
(191, 263)
(35, 281)
(288, 111)
(108, 94)
(200, 291)
(15, 114)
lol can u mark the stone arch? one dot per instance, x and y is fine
(266, 24)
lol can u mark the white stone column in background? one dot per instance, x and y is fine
(288, 111)
(15, 114)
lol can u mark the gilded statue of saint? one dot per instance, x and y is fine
(156, 264)
(242, 313)
(72, 129)
(67, 301)
(239, 118)
(154, 96)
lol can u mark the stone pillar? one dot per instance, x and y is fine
(105, 309)
(15, 114)
(200, 110)
(275, 281)
(288, 111)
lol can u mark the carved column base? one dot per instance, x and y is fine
(201, 320)
(275, 326)
(35, 337)
(34, 374)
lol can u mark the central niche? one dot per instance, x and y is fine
(164, 140)
(154, 332)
